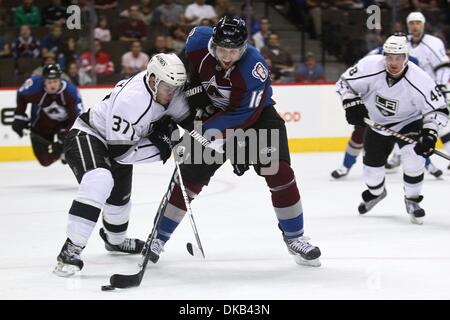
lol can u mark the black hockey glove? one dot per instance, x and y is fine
(20, 123)
(426, 142)
(355, 111)
(199, 102)
(239, 169)
(160, 136)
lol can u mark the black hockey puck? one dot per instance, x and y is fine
(108, 288)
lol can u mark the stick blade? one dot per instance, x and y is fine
(123, 281)
(194, 251)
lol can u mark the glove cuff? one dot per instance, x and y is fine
(348, 103)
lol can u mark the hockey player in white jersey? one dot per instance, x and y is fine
(132, 124)
(431, 54)
(401, 96)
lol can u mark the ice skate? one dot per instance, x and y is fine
(436, 172)
(69, 261)
(370, 200)
(393, 162)
(304, 253)
(129, 245)
(340, 172)
(156, 247)
(416, 213)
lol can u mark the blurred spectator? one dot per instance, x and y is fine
(275, 73)
(88, 17)
(135, 60)
(4, 15)
(48, 58)
(145, 12)
(280, 57)
(53, 41)
(102, 32)
(310, 71)
(401, 4)
(179, 39)
(103, 63)
(133, 28)
(168, 42)
(171, 14)
(26, 45)
(5, 48)
(105, 4)
(374, 38)
(68, 53)
(206, 22)
(224, 8)
(54, 13)
(399, 27)
(27, 14)
(260, 38)
(159, 46)
(248, 14)
(78, 76)
(197, 11)
(314, 11)
(344, 4)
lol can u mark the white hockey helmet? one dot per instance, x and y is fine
(396, 44)
(166, 67)
(415, 16)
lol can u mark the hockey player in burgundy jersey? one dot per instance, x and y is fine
(55, 104)
(230, 87)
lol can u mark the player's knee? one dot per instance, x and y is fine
(284, 174)
(413, 164)
(96, 185)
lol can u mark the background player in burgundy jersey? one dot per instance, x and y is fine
(230, 87)
(55, 104)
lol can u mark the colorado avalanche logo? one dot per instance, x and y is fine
(260, 72)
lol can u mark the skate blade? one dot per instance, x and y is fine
(65, 270)
(415, 220)
(309, 263)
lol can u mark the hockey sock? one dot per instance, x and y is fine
(286, 201)
(176, 209)
(354, 147)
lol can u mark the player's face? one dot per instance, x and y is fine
(165, 93)
(227, 57)
(52, 85)
(415, 28)
(395, 63)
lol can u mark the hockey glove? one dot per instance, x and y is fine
(239, 169)
(199, 101)
(355, 111)
(160, 136)
(426, 143)
(20, 123)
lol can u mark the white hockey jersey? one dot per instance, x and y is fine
(124, 118)
(394, 104)
(430, 52)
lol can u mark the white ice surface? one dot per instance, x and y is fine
(377, 256)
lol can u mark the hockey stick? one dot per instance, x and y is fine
(189, 246)
(400, 136)
(123, 281)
